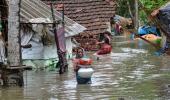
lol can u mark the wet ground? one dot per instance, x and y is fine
(132, 71)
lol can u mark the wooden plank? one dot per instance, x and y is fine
(22, 67)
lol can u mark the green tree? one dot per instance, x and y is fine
(125, 8)
(147, 6)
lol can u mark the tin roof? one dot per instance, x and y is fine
(31, 9)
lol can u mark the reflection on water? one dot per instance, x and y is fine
(131, 71)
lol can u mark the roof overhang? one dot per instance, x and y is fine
(31, 9)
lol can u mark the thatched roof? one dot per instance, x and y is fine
(93, 14)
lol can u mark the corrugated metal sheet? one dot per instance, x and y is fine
(31, 9)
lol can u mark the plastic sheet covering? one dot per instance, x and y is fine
(35, 52)
(146, 29)
(26, 37)
(38, 50)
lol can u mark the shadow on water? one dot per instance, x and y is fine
(130, 72)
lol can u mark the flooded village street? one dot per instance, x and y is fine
(132, 71)
(84, 49)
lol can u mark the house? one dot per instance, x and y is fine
(36, 9)
(12, 12)
(95, 15)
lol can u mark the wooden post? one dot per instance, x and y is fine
(136, 14)
(14, 53)
(13, 74)
(61, 55)
(64, 59)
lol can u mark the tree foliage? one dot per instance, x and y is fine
(147, 6)
(150, 5)
(123, 7)
(126, 8)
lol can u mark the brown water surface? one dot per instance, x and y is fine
(132, 71)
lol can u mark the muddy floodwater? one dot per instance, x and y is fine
(132, 71)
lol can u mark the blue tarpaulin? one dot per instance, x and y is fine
(143, 30)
